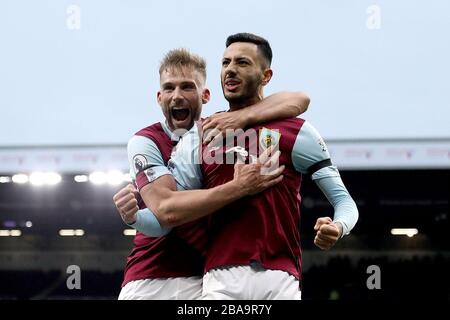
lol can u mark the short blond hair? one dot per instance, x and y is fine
(179, 58)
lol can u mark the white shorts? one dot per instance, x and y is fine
(247, 283)
(189, 288)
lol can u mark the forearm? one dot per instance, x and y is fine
(345, 210)
(179, 207)
(346, 213)
(147, 223)
(276, 106)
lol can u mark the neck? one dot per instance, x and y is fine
(236, 105)
(171, 128)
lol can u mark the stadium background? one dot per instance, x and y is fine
(78, 78)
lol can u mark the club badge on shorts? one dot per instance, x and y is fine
(268, 137)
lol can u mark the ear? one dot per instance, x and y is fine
(267, 75)
(206, 94)
(158, 97)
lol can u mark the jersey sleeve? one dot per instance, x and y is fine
(310, 152)
(310, 156)
(145, 161)
(185, 161)
(345, 210)
(148, 224)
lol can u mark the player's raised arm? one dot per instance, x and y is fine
(276, 106)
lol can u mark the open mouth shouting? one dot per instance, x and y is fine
(232, 84)
(181, 116)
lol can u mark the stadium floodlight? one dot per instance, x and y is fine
(16, 233)
(66, 232)
(20, 178)
(114, 177)
(81, 178)
(71, 232)
(37, 178)
(98, 177)
(129, 232)
(40, 178)
(4, 233)
(5, 179)
(79, 232)
(410, 232)
(10, 233)
(52, 178)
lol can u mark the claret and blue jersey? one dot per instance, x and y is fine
(263, 228)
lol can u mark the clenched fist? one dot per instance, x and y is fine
(327, 233)
(126, 203)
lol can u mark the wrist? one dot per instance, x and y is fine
(235, 189)
(340, 228)
(132, 220)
